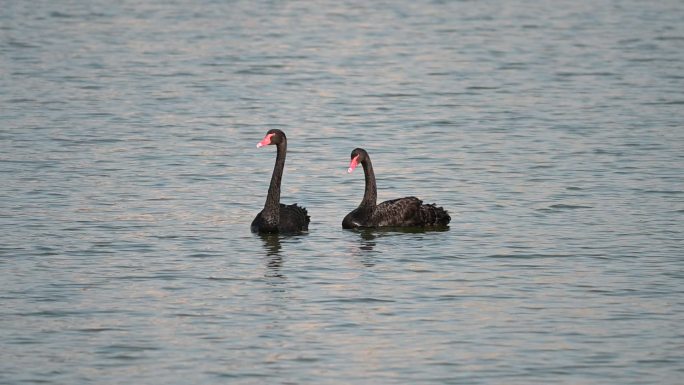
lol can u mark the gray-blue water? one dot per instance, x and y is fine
(553, 132)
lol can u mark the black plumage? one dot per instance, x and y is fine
(277, 217)
(401, 212)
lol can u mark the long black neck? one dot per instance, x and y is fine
(272, 205)
(370, 196)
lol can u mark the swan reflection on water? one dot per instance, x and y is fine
(273, 260)
(370, 234)
(369, 237)
(367, 241)
(271, 243)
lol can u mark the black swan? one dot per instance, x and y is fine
(277, 217)
(402, 212)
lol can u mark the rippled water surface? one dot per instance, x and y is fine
(553, 132)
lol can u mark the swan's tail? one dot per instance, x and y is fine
(434, 216)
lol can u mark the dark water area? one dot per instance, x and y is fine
(553, 132)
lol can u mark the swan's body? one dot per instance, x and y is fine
(291, 219)
(401, 212)
(277, 217)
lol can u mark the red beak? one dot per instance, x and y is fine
(354, 162)
(265, 141)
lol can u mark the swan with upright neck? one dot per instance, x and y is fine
(402, 212)
(275, 216)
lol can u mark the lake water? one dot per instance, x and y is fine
(552, 131)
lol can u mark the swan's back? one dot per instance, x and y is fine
(401, 212)
(410, 212)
